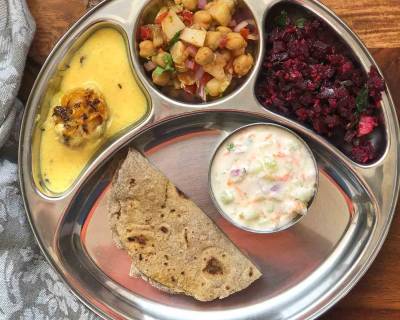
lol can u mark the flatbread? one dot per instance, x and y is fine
(173, 244)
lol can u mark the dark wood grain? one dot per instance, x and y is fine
(377, 22)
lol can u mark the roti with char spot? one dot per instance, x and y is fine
(173, 244)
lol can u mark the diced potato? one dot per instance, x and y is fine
(194, 37)
(171, 25)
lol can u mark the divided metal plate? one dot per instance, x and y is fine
(306, 268)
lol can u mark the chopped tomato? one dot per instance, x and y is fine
(245, 33)
(190, 89)
(145, 33)
(223, 42)
(187, 17)
(161, 17)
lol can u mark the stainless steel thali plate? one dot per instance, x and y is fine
(306, 268)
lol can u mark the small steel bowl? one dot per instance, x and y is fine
(299, 217)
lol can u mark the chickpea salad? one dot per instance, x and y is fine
(263, 177)
(198, 46)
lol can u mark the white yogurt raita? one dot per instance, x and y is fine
(263, 177)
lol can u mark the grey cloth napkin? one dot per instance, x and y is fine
(29, 287)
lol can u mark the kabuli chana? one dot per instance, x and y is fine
(198, 47)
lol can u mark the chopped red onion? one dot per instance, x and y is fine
(236, 172)
(202, 4)
(191, 50)
(199, 73)
(149, 66)
(251, 22)
(202, 92)
(233, 23)
(253, 37)
(190, 64)
(275, 188)
(241, 25)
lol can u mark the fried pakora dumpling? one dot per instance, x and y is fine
(82, 116)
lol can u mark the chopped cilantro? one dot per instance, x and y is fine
(159, 71)
(300, 22)
(282, 19)
(174, 39)
(362, 99)
(230, 147)
(167, 59)
(66, 67)
(169, 63)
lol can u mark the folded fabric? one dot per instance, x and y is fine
(29, 287)
(16, 32)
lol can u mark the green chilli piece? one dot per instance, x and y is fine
(230, 147)
(300, 22)
(362, 99)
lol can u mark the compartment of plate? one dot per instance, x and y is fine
(149, 9)
(293, 262)
(72, 228)
(55, 86)
(343, 38)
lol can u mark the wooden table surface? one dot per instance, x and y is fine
(377, 22)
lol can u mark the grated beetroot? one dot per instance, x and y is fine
(310, 76)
